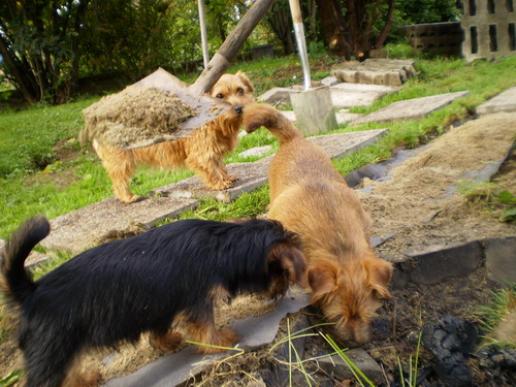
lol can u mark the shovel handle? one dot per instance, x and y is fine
(227, 52)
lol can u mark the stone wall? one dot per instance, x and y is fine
(436, 38)
(489, 28)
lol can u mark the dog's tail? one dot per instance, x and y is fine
(257, 115)
(15, 282)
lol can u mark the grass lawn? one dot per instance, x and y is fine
(43, 169)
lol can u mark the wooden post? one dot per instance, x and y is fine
(299, 31)
(230, 47)
(204, 32)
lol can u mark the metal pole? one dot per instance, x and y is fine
(204, 33)
(299, 31)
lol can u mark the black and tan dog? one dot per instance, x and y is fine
(162, 282)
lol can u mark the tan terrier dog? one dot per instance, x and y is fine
(309, 197)
(202, 152)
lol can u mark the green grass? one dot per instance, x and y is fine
(67, 183)
(503, 303)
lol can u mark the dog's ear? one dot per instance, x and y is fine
(322, 278)
(246, 81)
(379, 273)
(290, 259)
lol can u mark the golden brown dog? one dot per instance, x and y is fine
(202, 152)
(312, 199)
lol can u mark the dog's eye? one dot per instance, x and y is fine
(240, 91)
(220, 96)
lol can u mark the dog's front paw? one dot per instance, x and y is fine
(131, 199)
(223, 184)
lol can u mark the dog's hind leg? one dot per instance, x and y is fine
(211, 338)
(165, 342)
(79, 376)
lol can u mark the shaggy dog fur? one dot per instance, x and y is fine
(308, 196)
(202, 152)
(163, 282)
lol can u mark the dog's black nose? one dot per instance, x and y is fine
(239, 109)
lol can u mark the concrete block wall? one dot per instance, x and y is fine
(489, 28)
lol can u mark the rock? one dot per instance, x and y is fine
(339, 370)
(411, 108)
(437, 264)
(275, 95)
(501, 259)
(450, 340)
(346, 95)
(329, 81)
(277, 374)
(503, 102)
(256, 151)
(378, 71)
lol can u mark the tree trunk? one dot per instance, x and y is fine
(333, 27)
(380, 40)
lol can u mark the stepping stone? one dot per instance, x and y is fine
(346, 95)
(83, 228)
(176, 368)
(411, 108)
(343, 116)
(329, 81)
(503, 102)
(274, 95)
(339, 370)
(256, 151)
(391, 72)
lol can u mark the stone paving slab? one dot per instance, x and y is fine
(346, 95)
(411, 108)
(256, 151)
(503, 102)
(343, 116)
(176, 368)
(379, 71)
(83, 228)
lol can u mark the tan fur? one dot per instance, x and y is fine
(312, 199)
(203, 152)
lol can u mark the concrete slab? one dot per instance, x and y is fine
(341, 144)
(250, 176)
(343, 116)
(329, 81)
(176, 368)
(411, 108)
(503, 102)
(500, 260)
(379, 71)
(274, 95)
(83, 228)
(346, 95)
(256, 151)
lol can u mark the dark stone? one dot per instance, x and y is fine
(438, 264)
(451, 340)
(501, 259)
(276, 375)
(381, 329)
(338, 369)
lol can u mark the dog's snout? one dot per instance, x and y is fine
(239, 109)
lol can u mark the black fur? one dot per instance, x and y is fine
(117, 291)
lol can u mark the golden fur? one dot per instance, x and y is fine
(312, 199)
(202, 152)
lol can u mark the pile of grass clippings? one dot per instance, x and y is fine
(134, 115)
